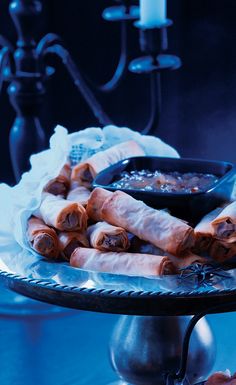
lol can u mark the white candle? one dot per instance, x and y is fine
(152, 12)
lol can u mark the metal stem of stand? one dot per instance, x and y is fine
(146, 350)
(181, 374)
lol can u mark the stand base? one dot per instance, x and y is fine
(119, 383)
(126, 383)
(144, 350)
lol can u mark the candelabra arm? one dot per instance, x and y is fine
(80, 83)
(6, 65)
(153, 42)
(6, 43)
(121, 68)
(47, 41)
(155, 90)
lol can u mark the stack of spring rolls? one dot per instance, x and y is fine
(115, 233)
(216, 233)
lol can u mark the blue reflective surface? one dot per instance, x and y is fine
(69, 348)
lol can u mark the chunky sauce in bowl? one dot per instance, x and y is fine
(168, 182)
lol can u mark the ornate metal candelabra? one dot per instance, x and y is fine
(25, 68)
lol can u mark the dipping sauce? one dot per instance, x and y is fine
(170, 182)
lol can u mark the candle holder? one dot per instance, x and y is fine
(153, 42)
(121, 13)
(24, 67)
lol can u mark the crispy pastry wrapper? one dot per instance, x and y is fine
(222, 251)
(62, 214)
(69, 241)
(221, 378)
(139, 246)
(61, 184)
(80, 195)
(224, 225)
(204, 231)
(42, 238)
(121, 263)
(155, 226)
(85, 172)
(95, 203)
(105, 237)
(187, 259)
(23, 200)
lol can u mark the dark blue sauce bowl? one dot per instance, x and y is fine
(188, 206)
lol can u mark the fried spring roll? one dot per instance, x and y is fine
(221, 378)
(61, 184)
(80, 195)
(69, 241)
(85, 172)
(105, 237)
(224, 225)
(221, 251)
(204, 231)
(188, 259)
(95, 203)
(62, 214)
(155, 226)
(121, 263)
(42, 238)
(139, 246)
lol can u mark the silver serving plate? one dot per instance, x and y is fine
(58, 283)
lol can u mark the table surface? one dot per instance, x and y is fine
(71, 347)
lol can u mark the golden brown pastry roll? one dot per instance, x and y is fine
(105, 237)
(42, 238)
(188, 259)
(224, 225)
(155, 226)
(221, 251)
(204, 231)
(80, 195)
(61, 184)
(121, 263)
(69, 241)
(95, 203)
(62, 214)
(85, 172)
(220, 378)
(139, 246)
